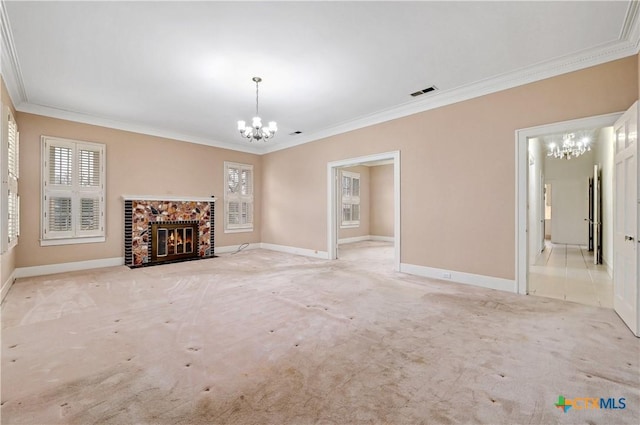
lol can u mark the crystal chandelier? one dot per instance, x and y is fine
(257, 132)
(569, 148)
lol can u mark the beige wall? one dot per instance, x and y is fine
(7, 259)
(381, 208)
(458, 169)
(363, 229)
(136, 165)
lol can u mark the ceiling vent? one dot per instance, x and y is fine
(423, 91)
(295, 133)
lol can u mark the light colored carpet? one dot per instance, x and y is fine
(268, 338)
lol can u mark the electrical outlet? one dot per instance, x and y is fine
(446, 275)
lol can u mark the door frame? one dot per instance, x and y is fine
(332, 200)
(522, 169)
(542, 212)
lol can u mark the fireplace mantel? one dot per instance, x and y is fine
(168, 198)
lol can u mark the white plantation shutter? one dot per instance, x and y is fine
(247, 212)
(61, 165)
(88, 167)
(355, 186)
(350, 199)
(90, 192)
(246, 182)
(13, 219)
(355, 212)
(13, 198)
(59, 213)
(238, 197)
(73, 191)
(233, 213)
(233, 179)
(89, 217)
(346, 185)
(13, 151)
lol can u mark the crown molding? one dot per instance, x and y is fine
(47, 111)
(631, 27)
(581, 60)
(9, 65)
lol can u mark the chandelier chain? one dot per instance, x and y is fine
(257, 114)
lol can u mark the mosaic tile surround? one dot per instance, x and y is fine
(139, 214)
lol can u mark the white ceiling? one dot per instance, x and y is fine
(184, 69)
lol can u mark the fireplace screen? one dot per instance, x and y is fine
(174, 240)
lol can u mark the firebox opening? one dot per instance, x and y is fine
(171, 241)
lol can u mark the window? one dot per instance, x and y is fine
(238, 197)
(73, 209)
(10, 176)
(350, 199)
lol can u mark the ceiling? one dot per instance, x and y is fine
(183, 69)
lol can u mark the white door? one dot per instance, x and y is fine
(625, 264)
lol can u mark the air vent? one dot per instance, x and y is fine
(295, 133)
(421, 92)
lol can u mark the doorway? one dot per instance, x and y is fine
(342, 176)
(568, 265)
(561, 250)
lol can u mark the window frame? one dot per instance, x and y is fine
(349, 199)
(76, 192)
(241, 199)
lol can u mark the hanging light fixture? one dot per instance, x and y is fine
(257, 132)
(570, 147)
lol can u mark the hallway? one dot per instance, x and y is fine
(567, 272)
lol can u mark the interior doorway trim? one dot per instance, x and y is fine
(332, 200)
(522, 169)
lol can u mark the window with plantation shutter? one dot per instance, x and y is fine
(350, 199)
(73, 191)
(10, 228)
(238, 197)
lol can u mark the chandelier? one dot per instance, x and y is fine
(257, 132)
(569, 148)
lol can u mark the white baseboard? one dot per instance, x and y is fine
(461, 277)
(68, 267)
(7, 285)
(354, 239)
(382, 238)
(119, 261)
(234, 248)
(296, 251)
(366, 238)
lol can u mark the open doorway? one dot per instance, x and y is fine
(565, 247)
(364, 210)
(570, 175)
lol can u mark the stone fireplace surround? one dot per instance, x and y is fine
(140, 212)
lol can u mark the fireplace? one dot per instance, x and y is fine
(158, 231)
(173, 240)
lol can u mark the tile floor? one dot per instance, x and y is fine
(567, 272)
